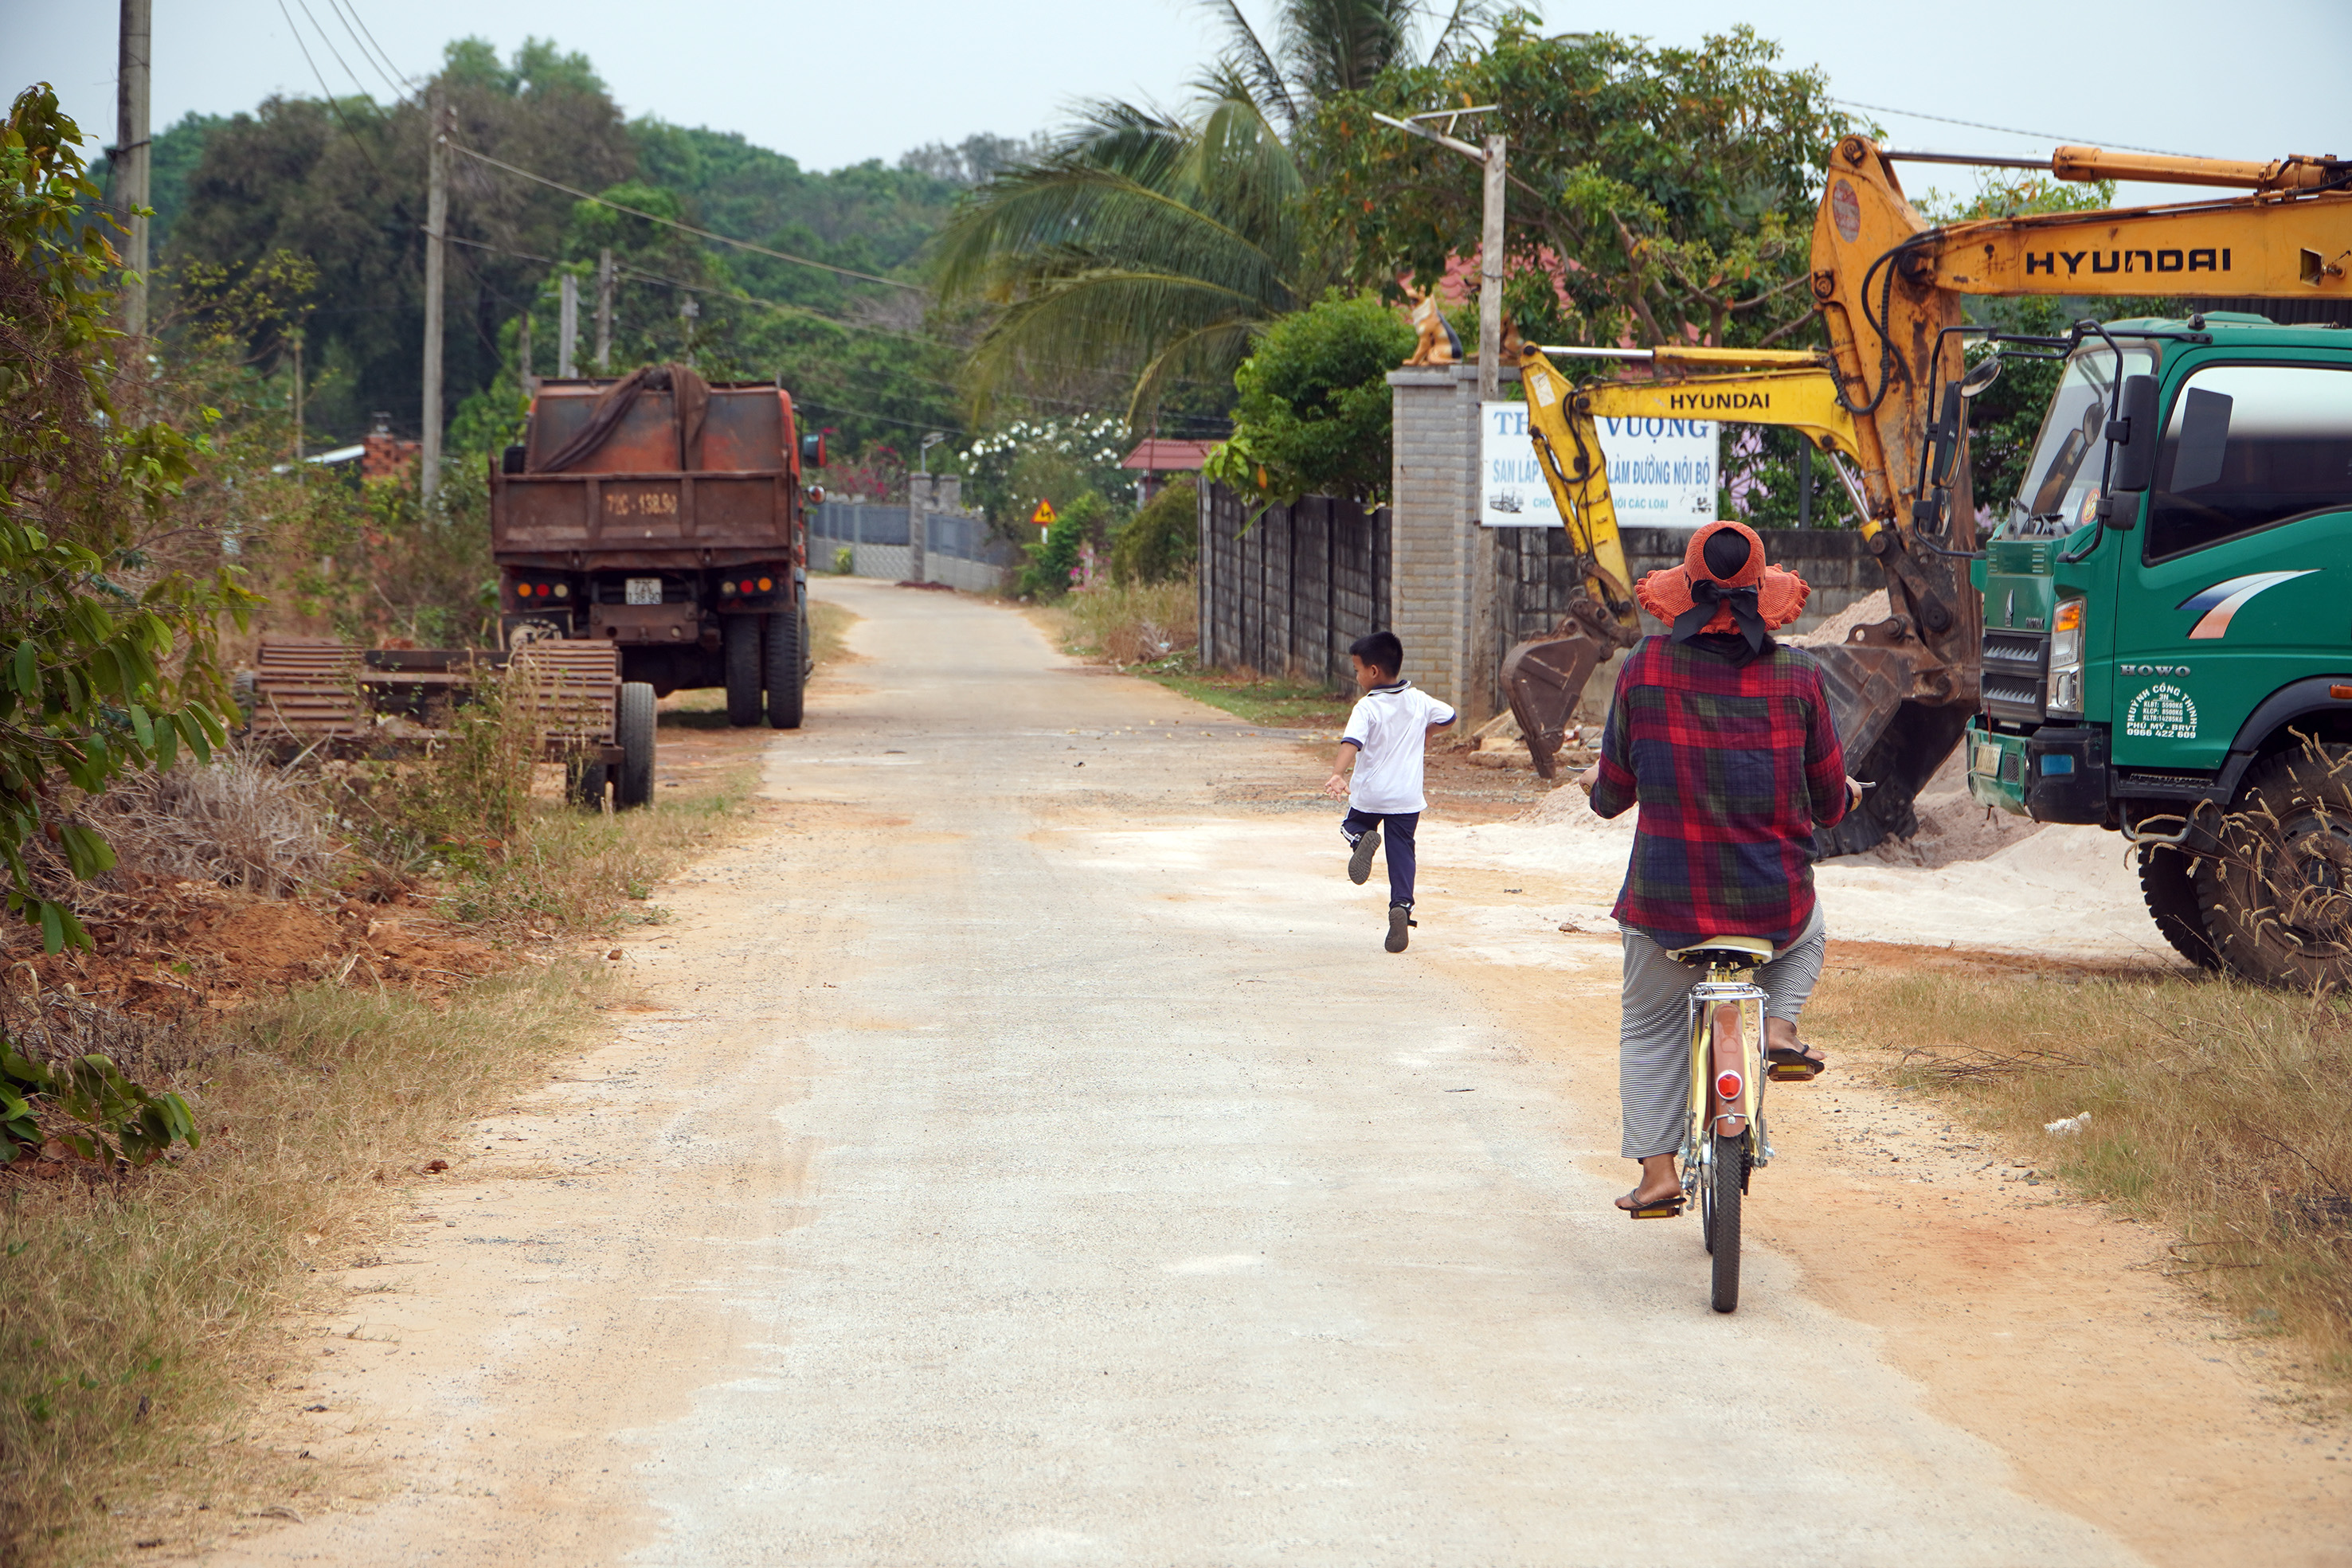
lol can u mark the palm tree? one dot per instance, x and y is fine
(1162, 245)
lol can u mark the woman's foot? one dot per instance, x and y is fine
(1647, 1205)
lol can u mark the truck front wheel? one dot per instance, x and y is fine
(2278, 892)
(2168, 884)
(633, 729)
(785, 668)
(739, 636)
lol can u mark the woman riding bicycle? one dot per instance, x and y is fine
(1723, 737)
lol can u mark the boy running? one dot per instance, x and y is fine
(1383, 744)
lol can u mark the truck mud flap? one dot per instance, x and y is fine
(1890, 740)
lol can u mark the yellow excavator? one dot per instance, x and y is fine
(1887, 399)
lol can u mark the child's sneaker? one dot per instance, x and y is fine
(1360, 864)
(1400, 918)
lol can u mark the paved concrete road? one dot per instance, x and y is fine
(1039, 1162)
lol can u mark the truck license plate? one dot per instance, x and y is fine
(644, 591)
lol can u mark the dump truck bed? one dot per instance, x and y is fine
(714, 493)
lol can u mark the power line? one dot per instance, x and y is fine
(2009, 130)
(332, 107)
(330, 49)
(380, 62)
(687, 228)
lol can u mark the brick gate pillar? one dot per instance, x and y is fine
(1436, 556)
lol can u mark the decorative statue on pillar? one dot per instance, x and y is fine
(1435, 341)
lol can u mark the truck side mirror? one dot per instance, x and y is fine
(2135, 436)
(812, 449)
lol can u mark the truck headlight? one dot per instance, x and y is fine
(2064, 696)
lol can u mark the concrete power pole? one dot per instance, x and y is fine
(567, 325)
(604, 311)
(130, 163)
(437, 225)
(1485, 620)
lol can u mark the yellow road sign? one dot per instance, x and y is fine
(1044, 516)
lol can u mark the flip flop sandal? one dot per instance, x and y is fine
(1792, 1064)
(1668, 1207)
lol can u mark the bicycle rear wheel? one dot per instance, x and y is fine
(1725, 1179)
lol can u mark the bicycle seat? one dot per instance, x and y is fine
(1725, 952)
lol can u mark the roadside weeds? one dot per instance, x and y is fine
(2206, 1105)
(138, 1308)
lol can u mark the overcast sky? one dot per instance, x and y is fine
(838, 83)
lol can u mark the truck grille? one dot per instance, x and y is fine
(2016, 674)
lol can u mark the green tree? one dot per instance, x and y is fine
(1656, 194)
(106, 664)
(1162, 246)
(1161, 541)
(1315, 402)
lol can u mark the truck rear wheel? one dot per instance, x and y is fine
(584, 780)
(2169, 887)
(633, 727)
(2278, 892)
(784, 669)
(739, 636)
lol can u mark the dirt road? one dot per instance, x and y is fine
(1028, 1155)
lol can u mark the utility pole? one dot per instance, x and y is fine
(567, 325)
(604, 311)
(129, 162)
(1485, 649)
(298, 396)
(436, 249)
(522, 353)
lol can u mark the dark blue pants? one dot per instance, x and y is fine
(1396, 842)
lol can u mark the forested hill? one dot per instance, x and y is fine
(341, 186)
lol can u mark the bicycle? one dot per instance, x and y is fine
(1725, 1140)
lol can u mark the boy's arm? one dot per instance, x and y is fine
(1437, 724)
(1337, 785)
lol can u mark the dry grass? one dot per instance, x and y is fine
(135, 1313)
(1138, 624)
(829, 627)
(2215, 1108)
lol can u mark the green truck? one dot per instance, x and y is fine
(2168, 632)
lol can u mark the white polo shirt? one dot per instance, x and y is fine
(1388, 727)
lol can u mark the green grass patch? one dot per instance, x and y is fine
(1277, 705)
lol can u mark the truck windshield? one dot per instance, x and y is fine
(2062, 482)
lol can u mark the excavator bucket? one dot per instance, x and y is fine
(1891, 741)
(1542, 679)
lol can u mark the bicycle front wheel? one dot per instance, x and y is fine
(1724, 1178)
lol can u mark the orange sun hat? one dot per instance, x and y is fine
(1753, 600)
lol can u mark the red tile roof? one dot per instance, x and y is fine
(1158, 456)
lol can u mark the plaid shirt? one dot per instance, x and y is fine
(1732, 768)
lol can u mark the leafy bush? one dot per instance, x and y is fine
(1047, 575)
(1159, 543)
(1314, 412)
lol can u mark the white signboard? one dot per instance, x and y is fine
(1662, 472)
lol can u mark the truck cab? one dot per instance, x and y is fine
(2168, 604)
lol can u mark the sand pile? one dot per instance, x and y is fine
(1872, 606)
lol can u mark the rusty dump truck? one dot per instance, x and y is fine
(663, 516)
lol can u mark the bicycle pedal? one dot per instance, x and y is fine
(1657, 1211)
(1786, 1072)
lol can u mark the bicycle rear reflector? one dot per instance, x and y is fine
(1728, 1085)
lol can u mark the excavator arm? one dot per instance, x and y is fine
(1544, 677)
